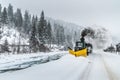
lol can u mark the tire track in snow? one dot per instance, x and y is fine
(111, 75)
(86, 71)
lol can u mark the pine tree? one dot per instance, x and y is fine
(6, 46)
(60, 36)
(54, 39)
(0, 16)
(42, 29)
(27, 22)
(36, 20)
(19, 43)
(4, 16)
(10, 13)
(0, 27)
(49, 33)
(0, 10)
(75, 36)
(33, 39)
(68, 41)
(0, 20)
(18, 20)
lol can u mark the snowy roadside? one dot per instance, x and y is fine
(96, 66)
(22, 61)
(68, 67)
(112, 62)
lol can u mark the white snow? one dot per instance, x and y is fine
(13, 36)
(101, 36)
(21, 61)
(97, 66)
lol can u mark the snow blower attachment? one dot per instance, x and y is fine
(81, 48)
(78, 53)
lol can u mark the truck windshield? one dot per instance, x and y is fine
(80, 44)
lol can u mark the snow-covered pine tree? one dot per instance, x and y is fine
(60, 36)
(4, 16)
(18, 45)
(33, 40)
(54, 33)
(49, 33)
(18, 20)
(0, 26)
(36, 21)
(75, 36)
(0, 23)
(68, 41)
(41, 28)
(5, 47)
(10, 14)
(27, 22)
(0, 10)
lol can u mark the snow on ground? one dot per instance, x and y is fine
(56, 70)
(113, 65)
(21, 61)
(97, 66)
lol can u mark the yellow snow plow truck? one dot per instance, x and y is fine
(81, 49)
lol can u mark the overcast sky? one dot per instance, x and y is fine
(82, 12)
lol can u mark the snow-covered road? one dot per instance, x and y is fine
(97, 66)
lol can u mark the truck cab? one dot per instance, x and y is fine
(82, 45)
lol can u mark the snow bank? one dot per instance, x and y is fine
(97, 66)
(66, 68)
(17, 62)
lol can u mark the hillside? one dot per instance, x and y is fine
(13, 36)
(40, 32)
(101, 35)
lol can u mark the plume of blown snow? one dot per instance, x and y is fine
(102, 37)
